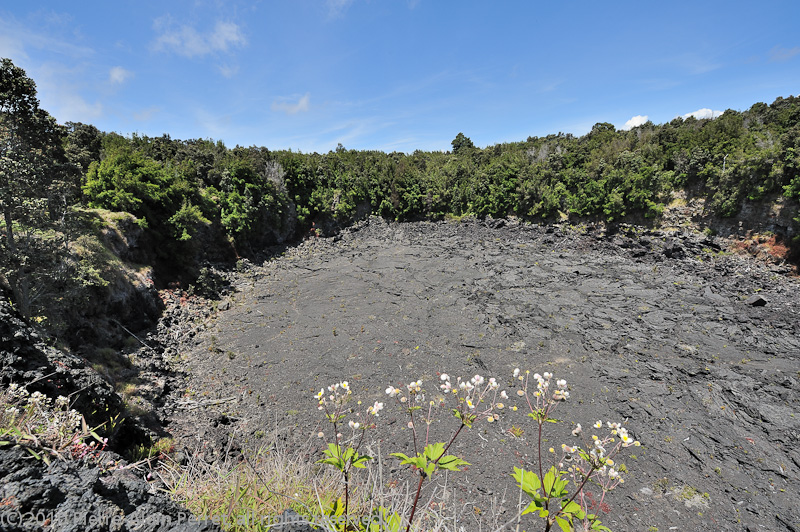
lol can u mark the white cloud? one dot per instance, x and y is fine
(635, 121)
(72, 107)
(187, 41)
(146, 114)
(700, 114)
(228, 70)
(11, 47)
(118, 75)
(290, 108)
(780, 53)
(337, 7)
(17, 38)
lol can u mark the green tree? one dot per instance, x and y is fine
(83, 145)
(462, 144)
(36, 186)
(31, 152)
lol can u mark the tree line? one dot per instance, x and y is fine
(250, 197)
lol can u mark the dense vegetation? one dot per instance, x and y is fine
(242, 199)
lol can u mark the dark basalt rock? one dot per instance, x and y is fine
(76, 496)
(756, 301)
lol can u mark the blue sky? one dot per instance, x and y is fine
(397, 74)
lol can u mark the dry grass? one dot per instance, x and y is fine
(243, 494)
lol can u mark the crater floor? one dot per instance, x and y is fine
(649, 327)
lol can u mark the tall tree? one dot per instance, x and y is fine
(34, 189)
(31, 151)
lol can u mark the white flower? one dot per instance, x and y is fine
(391, 391)
(560, 395)
(561, 383)
(516, 372)
(375, 408)
(477, 380)
(503, 395)
(577, 429)
(321, 393)
(548, 375)
(493, 384)
(598, 424)
(445, 377)
(354, 424)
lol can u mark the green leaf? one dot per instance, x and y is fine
(452, 463)
(573, 508)
(434, 451)
(549, 480)
(597, 526)
(533, 506)
(564, 524)
(384, 521)
(528, 481)
(553, 483)
(361, 461)
(33, 453)
(336, 508)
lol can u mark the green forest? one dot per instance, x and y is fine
(197, 200)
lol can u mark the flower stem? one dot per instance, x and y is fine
(416, 499)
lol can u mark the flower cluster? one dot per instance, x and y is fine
(36, 421)
(475, 397)
(543, 387)
(337, 395)
(598, 461)
(334, 402)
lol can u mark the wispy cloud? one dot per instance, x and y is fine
(11, 46)
(696, 63)
(213, 124)
(703, 113)
(187, 41)
(118, 75)
(337, 8)
(290, 107)
(72, 107)
(780, 54)
(635, 121)
(228, 70)
(16, 38)
(146, 114)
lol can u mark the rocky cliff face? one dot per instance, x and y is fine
(98, 492)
